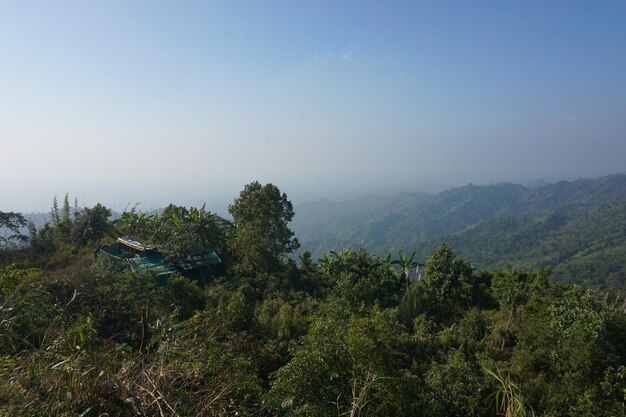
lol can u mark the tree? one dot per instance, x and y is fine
(361, 279)
(261, 216)
(447, 288)
(55, 216)
(65, 224)
(10, 225)
(345, 365)
(189, 232)
(513, 288)
(91, 224)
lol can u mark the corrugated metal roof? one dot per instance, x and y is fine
(197, 261)
(132, 243)
(153, 262)
(151, 259)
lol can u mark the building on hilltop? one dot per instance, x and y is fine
(141, 258)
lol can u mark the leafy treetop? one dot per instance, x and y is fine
(261, 215)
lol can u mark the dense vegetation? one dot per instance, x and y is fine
(576, 229)
(350, 334)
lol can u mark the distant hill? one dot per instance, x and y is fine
(576, 228)
(535, 183)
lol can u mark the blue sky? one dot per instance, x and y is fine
(188, 101)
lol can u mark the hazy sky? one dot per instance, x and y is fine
(126, 101)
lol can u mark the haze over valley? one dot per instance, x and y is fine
(189, 103)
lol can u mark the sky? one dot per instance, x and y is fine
(187, 101)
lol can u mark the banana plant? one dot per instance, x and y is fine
(332, 259)
(406, 263)
(384, 262)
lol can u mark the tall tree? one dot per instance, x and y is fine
(261, 215)
(65, 212)
(91, 224)
(447, 285)
(55, 216)
(65, 225)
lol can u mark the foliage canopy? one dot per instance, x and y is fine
(351, 334)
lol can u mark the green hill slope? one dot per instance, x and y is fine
(575, 228)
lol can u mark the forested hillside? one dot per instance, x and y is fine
(576, 228)
(353, 334)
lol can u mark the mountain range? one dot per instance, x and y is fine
(577, 229)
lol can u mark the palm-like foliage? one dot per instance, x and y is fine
(193, 229)
(508, 398)
(333, 260)
(406, 263)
